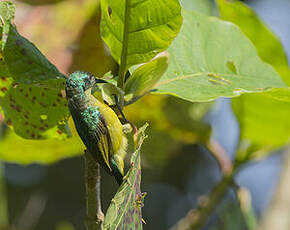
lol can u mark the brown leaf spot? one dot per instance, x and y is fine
(18, 108)
(26, 116)
(3, 79)
(41, 128)
(9, 122)
(3, 89)
(32, 135)
(59, 132)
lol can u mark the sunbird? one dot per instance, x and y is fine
(97, 124)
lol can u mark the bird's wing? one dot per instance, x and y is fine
(103, 141)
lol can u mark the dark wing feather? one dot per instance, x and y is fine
(103, 138)
(94, 133)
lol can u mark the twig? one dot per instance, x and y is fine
(3, 201)
(94, 214)
(196, 219)
(221, 156)
(32, 212)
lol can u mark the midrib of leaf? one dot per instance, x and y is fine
(125, 46)
(130, 196)
(197, 75)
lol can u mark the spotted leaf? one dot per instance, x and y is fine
(124, 211)
(35, 112)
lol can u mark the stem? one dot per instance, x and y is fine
(94, 214)
(221, 156)
(3, 201)
(123, 65)
(196, 219)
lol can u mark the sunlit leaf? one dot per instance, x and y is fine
(211, 58)
(264, 123)
(25, 62)
(268, 45)
(201, 6)
(124, 211)
(150, 28)
(16, 149)
(263, 117)
(146, 76)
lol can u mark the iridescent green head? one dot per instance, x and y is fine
(78, 82)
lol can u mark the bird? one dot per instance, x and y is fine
(97, 124)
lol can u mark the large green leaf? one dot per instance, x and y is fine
(147, 28)
(35, 112)
(201, 6)
(124, 211)
(25, 62)
(263, 117)
(264, 122)
(268, 45)
(30, 86)
(16, 149)
(211, 58)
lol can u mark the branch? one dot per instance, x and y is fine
(94, 214)
(3, 201)
(221, 156)
(196, 219)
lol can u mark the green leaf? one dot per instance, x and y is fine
(211, 58)
(35, 112)
(263, 117)
(264, 122)
(201, 6)
(7, 10)
(146, 76)
(147, 28)
(18, 150)
(5, 79)
(268, 45)
(30, 86)
(279, 94)
(26, 63)
(124, 211)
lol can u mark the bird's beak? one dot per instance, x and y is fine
(97, 80)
